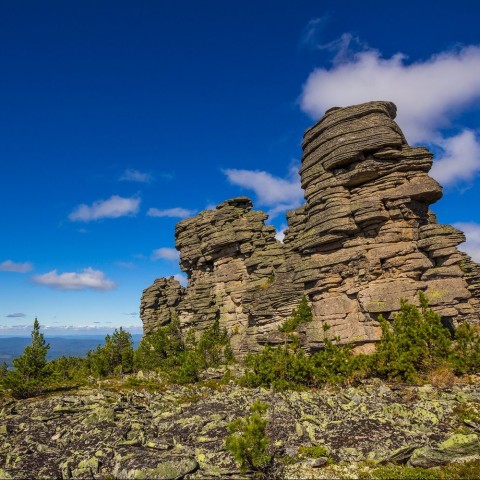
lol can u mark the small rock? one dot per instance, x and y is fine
(319, 462)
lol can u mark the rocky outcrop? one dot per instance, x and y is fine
(160, 303)
(364, 239)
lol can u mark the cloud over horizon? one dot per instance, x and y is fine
(114, 207)
(10, 266)
(176, 212)
(15, 315)
(88, 278)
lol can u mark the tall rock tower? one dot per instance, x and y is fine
(364, 239)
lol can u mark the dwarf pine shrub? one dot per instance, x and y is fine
(248, 442)
(302, 314)
(413, 344)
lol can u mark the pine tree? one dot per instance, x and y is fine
(31, 364)
(30, 367)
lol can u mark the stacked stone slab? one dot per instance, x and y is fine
(364, 239)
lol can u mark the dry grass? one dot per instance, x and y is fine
(441, 377)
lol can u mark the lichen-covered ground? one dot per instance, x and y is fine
(179, 431)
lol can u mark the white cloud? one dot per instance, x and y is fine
(114, 207)
(280, 235)
(281, 194)
(131, 175)
(165, 254)
(9, 266)
(460, 160)
(182, 279)
(424, 92)
(472, 245)
(176, 212)
(87, 278)
(15, 315)
(312, 31)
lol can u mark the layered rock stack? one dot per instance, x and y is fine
(364, 239)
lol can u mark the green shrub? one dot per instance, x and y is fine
(401, 472)
(312, 451)
(115, 356)
(334, 364)
(464, 471)
(413, 344)
(212, 346)
(465, 356)
(160, 347)
(289, 367)
(30, 372)
(302, 314)
(67, 369)
(281, 368)
(248, 442)
(179, 355)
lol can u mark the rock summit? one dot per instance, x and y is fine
(363, 240)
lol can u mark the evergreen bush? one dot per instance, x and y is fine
(115, 356)
(248, 442)
(465, 356)
(30, 372)
(302, 314)
(413, 344)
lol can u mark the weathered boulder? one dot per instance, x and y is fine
(364, 239)
(459, 448)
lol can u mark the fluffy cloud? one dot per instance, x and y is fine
(165, 254)
(131, 175)
(472, 245)
(176, 212)
(9, 266)
(88, 278)
(182, 279)
(15, 315)
(426, 93)
(460, 160)
(280, 235)
(114, 207)
(281, 194)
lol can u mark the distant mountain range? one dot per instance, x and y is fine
(70, 346)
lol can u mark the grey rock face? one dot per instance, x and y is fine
(364, 239)
(159, 303)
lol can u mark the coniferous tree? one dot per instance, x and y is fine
(31, 364)
(30, 367)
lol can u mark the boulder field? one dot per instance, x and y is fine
(179, 432)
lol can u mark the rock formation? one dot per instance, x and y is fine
(364, 239)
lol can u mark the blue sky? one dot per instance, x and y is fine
(119, 118)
